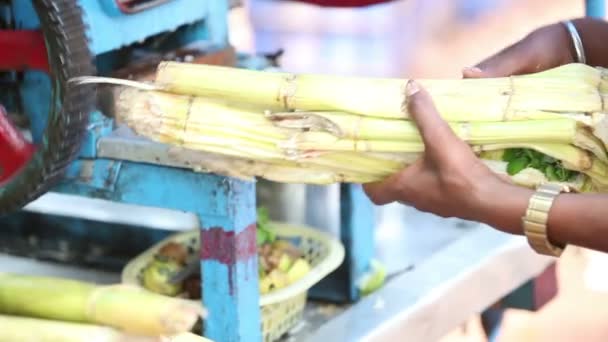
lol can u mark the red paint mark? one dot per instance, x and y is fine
(23, 50)
(15, 150)
(229, 248)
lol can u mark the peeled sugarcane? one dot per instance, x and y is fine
(324, 129)
(124, 307)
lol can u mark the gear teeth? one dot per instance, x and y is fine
(65, 32)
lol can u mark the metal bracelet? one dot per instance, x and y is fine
(576, 40)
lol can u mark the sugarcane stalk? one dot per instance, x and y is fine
(573, 88)
(124, 307)
(187, 337)
(343, 125)
(26, 329)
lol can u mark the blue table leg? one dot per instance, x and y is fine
(230, 266)
(595, 8)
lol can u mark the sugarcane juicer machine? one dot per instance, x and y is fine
(55, 140)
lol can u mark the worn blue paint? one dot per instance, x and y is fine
(595, 8)
(155, 186)
(98, 126)
(100, 174)
(232, 291)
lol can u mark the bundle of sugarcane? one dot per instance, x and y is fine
(321, 129)
(126, 308)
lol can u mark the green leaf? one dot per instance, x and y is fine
(563, 174)
(263, 217)
(515, 166)
(530, 154)
(550, 172)
(510, 154)
(261, 236)
(537, 163)
(265, 234)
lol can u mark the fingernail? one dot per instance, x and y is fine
(411, 88)
(473, 69)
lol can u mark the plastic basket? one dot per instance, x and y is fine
(281, 309)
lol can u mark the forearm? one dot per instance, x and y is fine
(580, 219)
(577, 219)
(594, 35)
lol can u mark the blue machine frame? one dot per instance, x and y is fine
(225, 207)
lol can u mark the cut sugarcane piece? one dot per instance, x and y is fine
(129, 308)
(26, 329)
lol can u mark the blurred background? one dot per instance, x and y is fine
(413, 38)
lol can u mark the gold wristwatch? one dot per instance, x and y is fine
(537, 215)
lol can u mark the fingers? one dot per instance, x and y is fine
(515, 59)
(511, 61)
(423, 112)
(381, 193)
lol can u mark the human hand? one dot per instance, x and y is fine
(545, 48)
(449, 180)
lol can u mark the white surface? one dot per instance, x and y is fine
(442, 292)
(112, 212)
